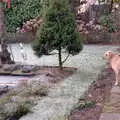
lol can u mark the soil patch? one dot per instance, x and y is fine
(56, 73)
(98, 93)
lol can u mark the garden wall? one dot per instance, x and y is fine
(19, 37)
(101, 38)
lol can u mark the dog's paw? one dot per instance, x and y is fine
(116, 84)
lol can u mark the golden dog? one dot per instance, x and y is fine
(114, 60)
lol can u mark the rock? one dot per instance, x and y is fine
(50, 74)
(26, 69)
(4, 89)
(11, 67)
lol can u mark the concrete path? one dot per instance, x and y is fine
(111, 110)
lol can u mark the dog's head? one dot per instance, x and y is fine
(108, 55)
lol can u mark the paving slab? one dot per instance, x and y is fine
(111, 110)
(115, 90)
(110, 116)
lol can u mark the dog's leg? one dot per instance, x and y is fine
(117, 78)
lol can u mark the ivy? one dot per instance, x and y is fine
(21, 11)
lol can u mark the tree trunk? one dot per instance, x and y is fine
(99, 2)
(4, 54)
(111, 6)
(60, 57)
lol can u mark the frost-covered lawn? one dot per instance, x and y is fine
(63, 96)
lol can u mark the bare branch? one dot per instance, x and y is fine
(66, 58)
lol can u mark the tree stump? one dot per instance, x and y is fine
(4, 54)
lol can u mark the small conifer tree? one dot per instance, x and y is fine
(58, 31)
